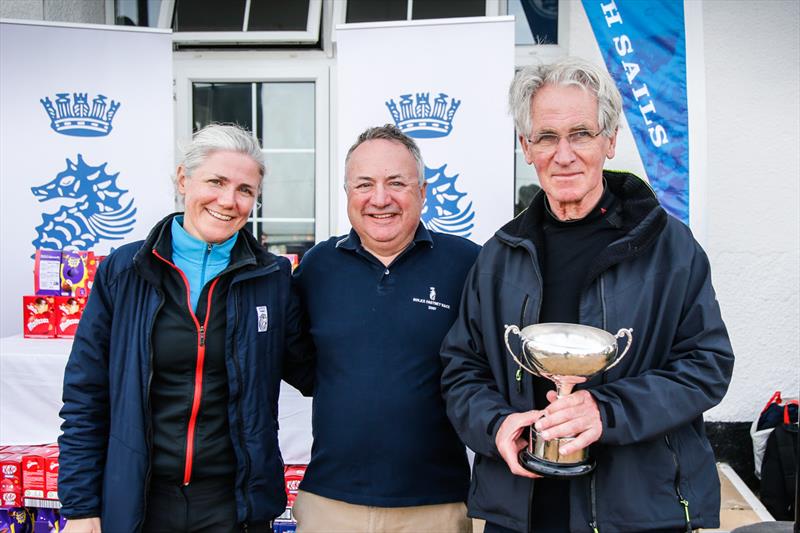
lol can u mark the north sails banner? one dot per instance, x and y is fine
(643, 44)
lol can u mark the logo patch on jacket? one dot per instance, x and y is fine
(261, 311)
(431, 302)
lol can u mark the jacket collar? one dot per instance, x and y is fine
(193, 251)
(352, 241)
(638, 213)
(245, 252)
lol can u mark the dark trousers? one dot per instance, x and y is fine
(494, 528)
(200, 506)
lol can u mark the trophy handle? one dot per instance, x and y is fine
(514, 329)
(624, 332)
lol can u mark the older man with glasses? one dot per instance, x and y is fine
(594, 247)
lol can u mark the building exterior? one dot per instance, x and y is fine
(278, 78)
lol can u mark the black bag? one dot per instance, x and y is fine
(779, 468)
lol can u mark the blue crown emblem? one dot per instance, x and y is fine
(417, 119)
(76, 117)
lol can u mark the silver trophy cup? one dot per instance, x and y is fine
(566, 354)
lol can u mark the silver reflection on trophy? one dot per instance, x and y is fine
(566, 354)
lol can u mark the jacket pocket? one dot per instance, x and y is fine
(680, 492)
(475, 469)
(634, 487)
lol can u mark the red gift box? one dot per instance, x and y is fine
(10, 479)
(69, 310)
(293, 475)
(38, 316)
(37, 465)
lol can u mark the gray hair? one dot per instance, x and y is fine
(221, 137)
(570, 71)
(389, 132)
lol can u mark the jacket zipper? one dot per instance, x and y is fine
(198, 378)
(518, 374)
(603, 300)
(239, 428)
(593, 500)
(605, 317)
(198, 372)
(149, 429)
(538, 314)
(683, 501)
(206, 255)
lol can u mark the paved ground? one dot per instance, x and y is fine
(738, 506)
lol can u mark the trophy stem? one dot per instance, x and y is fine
(563, 389)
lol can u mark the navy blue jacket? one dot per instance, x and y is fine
(104, 463)
(653, 451)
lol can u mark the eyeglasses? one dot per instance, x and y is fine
(548, 142)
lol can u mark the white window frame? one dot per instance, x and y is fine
(249, 67)
(309, 36)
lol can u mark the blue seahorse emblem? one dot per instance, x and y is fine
(441, 211)
(97, 212)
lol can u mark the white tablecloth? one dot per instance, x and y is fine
(31, 377)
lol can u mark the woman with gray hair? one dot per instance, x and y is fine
(171, 389)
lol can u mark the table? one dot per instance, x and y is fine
(31, 379)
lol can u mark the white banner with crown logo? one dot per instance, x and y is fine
(86, 143)
(444, 83)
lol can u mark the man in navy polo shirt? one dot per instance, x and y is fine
(379, 301)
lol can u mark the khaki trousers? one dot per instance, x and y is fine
(317, 514)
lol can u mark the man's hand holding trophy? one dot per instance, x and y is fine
(567, 354)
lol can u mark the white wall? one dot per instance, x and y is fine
(753, 104)
(83, 11)
(752, 193)
(752, 232)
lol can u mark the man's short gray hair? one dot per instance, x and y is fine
(570, 71)
(221, 137)
(389, 132)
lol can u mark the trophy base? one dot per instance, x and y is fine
(545, 468)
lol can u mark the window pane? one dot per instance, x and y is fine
(526, 183)
(278, 15)
(136, 12)
(287, 210)
(209, 15)
(285, 122)
(289, 186)
(221, 102)
(376, 10)
(436, 9)
(536, 21)
(287, 115)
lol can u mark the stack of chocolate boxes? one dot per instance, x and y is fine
(29, 489)
(62, 282)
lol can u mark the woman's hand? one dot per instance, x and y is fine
(83, 525)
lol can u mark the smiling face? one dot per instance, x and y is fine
(571, 176)
(219, 195)
(384, 197)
